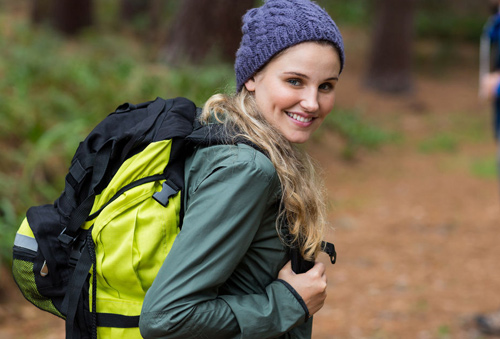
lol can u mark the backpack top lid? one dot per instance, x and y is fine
(122, 134)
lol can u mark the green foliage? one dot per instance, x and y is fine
(55, 91)
(451, 20)
(446, 136)
(442, 20)
(449, 26)
(199, 83)
(444, 332)
(7, 219)
(356, 132)
(485, 168)
(353, 12)
(439, 143)
(468, 128)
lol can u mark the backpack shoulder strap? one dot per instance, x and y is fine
(217, 134)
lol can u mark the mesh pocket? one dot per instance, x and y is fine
(22, 271)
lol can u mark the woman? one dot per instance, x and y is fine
(227, 274)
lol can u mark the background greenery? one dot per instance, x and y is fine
(54, 90)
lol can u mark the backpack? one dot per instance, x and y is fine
(128, 171)
(91, 256)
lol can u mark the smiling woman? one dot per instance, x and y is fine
(296, 90)
(253, 203)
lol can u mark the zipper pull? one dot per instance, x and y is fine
(45, 270)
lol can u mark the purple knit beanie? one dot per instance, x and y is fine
(277, 25)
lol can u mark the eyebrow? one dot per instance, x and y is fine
(306, 77)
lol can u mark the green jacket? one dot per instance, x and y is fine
(220, 278)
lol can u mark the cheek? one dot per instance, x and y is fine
(260, 99)
(273, 102)
(284, 99)
(327, 104)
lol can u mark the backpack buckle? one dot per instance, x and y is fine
(66, 239)
(166, 192)
(76, 250)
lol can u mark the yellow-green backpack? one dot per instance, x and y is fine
(92, 255)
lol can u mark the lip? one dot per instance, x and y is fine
(300, 118)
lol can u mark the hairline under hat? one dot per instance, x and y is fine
(283, 50)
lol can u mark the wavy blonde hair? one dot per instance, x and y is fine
(303, 204)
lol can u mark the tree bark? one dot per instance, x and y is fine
(40, 11)
(389, 66)
(70, 17)
(130, 9)
(202, 26)
(67, 17)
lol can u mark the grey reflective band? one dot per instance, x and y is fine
(25, 242)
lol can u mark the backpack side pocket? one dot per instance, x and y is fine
(25, 253)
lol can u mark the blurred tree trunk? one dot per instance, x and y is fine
(389, 67)
(201, 26)
(130, 9)
(40, 11)
(143, 17)
(68, 17)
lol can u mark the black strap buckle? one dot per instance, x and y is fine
(77, 248)
(166, 192)
(329, 249)
(65, 239)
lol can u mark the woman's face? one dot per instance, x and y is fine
(295, 91)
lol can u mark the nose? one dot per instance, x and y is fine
(310, 102)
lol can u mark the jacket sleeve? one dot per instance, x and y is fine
(221, 219)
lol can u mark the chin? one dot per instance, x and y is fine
(298, 139)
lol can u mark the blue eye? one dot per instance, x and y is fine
(294, 82)
(326, 86)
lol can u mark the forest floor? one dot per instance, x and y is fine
(415, 223)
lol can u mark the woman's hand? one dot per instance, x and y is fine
(311, 286)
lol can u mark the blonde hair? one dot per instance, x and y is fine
(303, 204)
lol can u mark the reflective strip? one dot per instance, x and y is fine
(24, 241)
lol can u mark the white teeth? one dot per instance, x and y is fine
(298, 117)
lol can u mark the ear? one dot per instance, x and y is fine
(250, 84)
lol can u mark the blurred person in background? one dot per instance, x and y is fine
(489, 89)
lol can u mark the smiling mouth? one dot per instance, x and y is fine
(298, 117)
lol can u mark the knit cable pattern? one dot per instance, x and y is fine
(277, 25)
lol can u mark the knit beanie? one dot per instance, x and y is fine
(277, 25)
